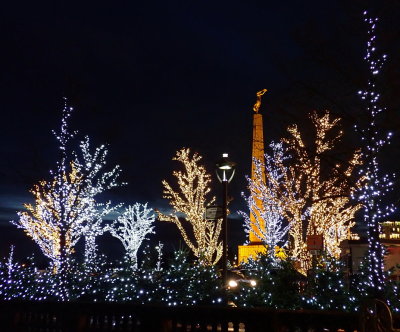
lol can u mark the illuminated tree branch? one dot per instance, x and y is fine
(191, 201)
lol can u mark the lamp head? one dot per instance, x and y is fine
(225, 168)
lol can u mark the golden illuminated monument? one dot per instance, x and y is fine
(255, 246)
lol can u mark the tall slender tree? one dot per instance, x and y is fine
(97, 179)
(93, 227)
(376, 185)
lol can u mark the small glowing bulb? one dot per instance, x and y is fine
(232, 283)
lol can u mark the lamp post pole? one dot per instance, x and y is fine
(225, 172)
(224, 231)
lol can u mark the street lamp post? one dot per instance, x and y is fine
(225, 172)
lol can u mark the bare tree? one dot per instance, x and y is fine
(64, 205)
(131, 229)
(190, 201)
(312, 194)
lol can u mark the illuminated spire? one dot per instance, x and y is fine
(257, 157)
(256, 223)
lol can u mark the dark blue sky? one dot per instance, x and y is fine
(151, 77)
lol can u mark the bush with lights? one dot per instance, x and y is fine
(182, 282)
(129, 283)
(277, 284)
(17, 281)
(327, 287)
(362, 290)
(191, 283)
(392, 290)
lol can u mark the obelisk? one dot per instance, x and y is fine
(255, 246)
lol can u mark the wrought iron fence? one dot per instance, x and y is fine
(79, 317)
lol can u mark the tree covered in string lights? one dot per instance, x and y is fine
(53, 221)
(132, 227)
(268, 216)
(324, 188)
(91, 164)
(93, 228)
(376, 185)
(310, 193)
(190, 200)
(65, 206)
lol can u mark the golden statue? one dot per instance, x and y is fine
(257, 105)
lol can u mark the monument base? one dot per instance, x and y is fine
(250, 250)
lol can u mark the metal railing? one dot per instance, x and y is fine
(79, 317)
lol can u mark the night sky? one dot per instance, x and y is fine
(150, 77)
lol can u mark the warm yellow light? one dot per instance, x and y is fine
(44, 221)
(190, 200)
(232, 283)
(313, 198)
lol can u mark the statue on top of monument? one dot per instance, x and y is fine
(257, 105)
